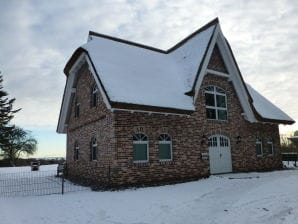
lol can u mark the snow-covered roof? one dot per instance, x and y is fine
(265, 108)
(136, 75)
(133, 74)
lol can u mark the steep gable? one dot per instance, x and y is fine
(138, 77)
(216, 61)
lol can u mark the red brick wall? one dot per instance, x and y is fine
(93, 122)
(186, 133)
(114, 133)
(216, 61)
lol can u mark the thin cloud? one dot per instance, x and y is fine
(38, 37)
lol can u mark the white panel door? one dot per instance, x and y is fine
(219, 154)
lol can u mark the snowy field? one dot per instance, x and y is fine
(21, 181)
(267, 198)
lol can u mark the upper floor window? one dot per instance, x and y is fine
(216, 103)
(140, 148)
(94, 96)
(93, 149)
(270, 146)
(76, 151)
(77, 108)
(165, 147)
(259, 146)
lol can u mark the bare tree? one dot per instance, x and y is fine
(20, 142)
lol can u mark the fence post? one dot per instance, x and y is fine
(62, 190)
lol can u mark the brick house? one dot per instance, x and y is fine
(135, 114)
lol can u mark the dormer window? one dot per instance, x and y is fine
(94, 96)
(216, 103)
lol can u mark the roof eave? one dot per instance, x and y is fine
(73, 59)
(149, 108)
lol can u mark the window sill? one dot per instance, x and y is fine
(166, 162)
(140, 161)
(215, 120)
(260, 156)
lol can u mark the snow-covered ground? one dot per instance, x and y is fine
(21, 181)
(267, 198)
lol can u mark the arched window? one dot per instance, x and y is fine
(216, 103)
(77, 108)
(165, 147)
(93, 149)
(94, 96)
(270, 146)
(259, 146)
(76, 151)
(140, 148)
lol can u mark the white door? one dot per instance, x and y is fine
(219, 154)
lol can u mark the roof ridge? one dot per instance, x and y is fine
(92, 33)
(183, 41)
(180, 43)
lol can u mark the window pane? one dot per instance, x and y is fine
(270, 149)
(94, 151)
(164, 151)
(211, 113)
(77, 110)
(139, 152)
(222, 114)
(209, 88)
(221, 101)
(209, 99)
(94, 99)
(220, 90)
(259, 149)
(139, 137)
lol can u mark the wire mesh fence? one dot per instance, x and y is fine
(35, 183)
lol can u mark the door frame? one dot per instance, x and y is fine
(210, 147)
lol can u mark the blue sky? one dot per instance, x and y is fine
(38, 37)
